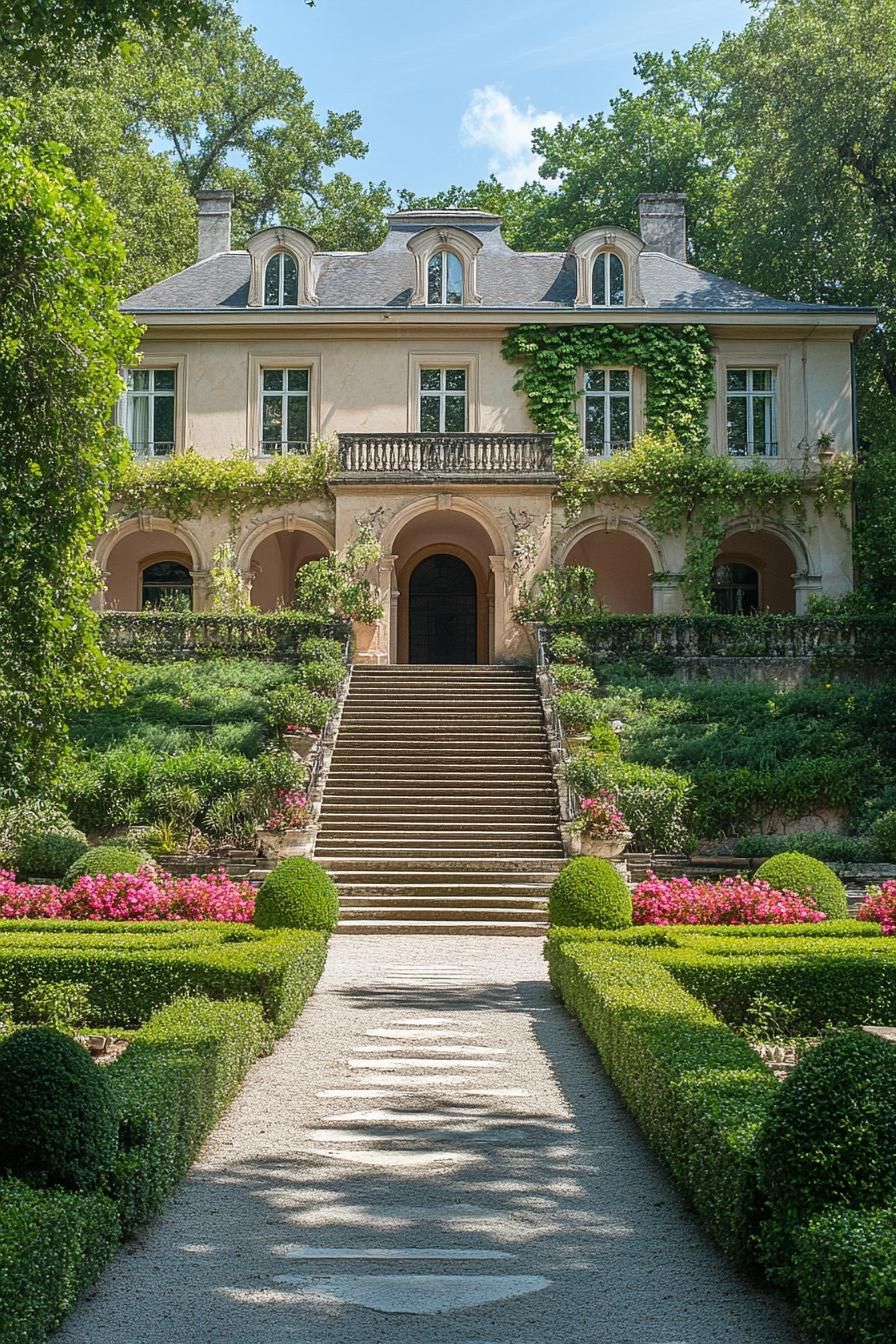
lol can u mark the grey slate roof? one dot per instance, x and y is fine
(517, 281)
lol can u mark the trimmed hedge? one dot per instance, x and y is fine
(298, 894)
(844, 1271)
(106, 861)
(53, 1244)
(698, 1091)
(170, 1086)
(590, 891)
(809, 878)
(131, 977)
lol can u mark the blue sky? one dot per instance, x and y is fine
(449, 92)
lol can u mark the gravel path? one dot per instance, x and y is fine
(432, 1154)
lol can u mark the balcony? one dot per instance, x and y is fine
(513, 459)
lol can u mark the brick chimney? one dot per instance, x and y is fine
(663, 225)
(213, 211)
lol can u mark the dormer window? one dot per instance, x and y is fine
(608, 281)
(281, 281)
(444, 279)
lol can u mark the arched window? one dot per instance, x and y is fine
(167, 586)
(735, 590)
(281, 281)
(444, 279)
(607, 281)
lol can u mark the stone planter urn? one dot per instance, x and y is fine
(575, 741)
(296, 842)
(597, 847)
(301, 745)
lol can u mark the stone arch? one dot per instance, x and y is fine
(797, 544)
(776, 553)
(624, 556)
(271, 554)
(123, 553)
(455, 503)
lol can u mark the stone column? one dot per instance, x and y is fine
(804, 587)
(388, 595)
(201, 588)
(498, 609)
(668, 599)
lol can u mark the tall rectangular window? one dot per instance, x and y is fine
(608, 411)
(752, 412)
(284, 411)
(443, 401)
(150, 411)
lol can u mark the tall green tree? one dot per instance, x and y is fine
(62, 340)
(38, 30)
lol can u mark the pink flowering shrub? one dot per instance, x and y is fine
(732, 900)
(601, 817)
(879, 905)
(142, 896)
(290, 811)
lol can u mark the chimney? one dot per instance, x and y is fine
(213, 210)
(664, 226)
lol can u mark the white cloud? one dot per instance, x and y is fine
(491, 121)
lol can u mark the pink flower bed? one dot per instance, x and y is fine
(880, 906)
(733, 900)
(144, 896)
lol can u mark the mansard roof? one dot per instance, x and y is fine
(529, 283)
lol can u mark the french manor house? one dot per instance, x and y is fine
(397, 357)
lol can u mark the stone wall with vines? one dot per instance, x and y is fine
(685, 488)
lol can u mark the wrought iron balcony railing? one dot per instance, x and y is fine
(153, 448)
(283, 447)
(757, 449)
(474, 456)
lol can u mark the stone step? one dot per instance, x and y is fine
(448, 889)
(506, 914)
(327, 843)
(492, 929)
(536, 903)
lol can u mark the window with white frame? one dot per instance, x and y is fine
(607, 281)
(284, 411)
(443, 401)
(752, 412)
(281, 281)
(608, 411)
(444, 279)
(149, 422)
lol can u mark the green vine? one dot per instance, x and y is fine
(688, 488)
(190, 485)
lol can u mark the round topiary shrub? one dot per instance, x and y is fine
(58, 1124)
(590, 893)
(51, 853)
(809, 878)
(829, 1138)
(298, 894)
(106, 861)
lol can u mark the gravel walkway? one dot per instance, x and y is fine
(433, 1154)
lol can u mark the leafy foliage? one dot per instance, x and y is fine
(335, 587)
(106, 861)
(655, 802)
(844, 1276)
(28, 25)
(63, 340)
(591, 893)
(298, 894)
(810, 878)
(563, 593)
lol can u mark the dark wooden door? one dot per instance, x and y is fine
(442, 612)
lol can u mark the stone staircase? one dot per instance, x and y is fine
(440, 812)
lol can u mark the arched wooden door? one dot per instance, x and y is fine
(442, 611)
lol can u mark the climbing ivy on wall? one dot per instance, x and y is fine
(688, 488)
(190, 485)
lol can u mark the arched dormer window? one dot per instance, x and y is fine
(281, 281)
(446, 267)
(608, 281)
(607, 263)
(444, 279)
(283, 269)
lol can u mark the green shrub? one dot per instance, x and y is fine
(570, 648)
(50, 854)
(298, 894)
(53, 1244)
(824, 845)
(884, 831)
(64, 1005)
(57, 1119)
(696, 1089)
(603, 739)
(135, 969)
(829, 1139)
(298, 705)
(106, 861)
(322, 675)
(573, 677)
(577, 710)
(318, 649)
(590, 892)
(654, 802)
(844, 1276)
(809, 878)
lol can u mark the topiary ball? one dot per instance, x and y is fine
(298, 894)
(590, 893)
(106, 861)
(829, 1137)
(50, 853)
(809, 878)
(58, 1123)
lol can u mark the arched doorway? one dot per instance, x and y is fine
(442, 610)
(166, 585)
(623, 567)
(754, 572)
(735, 590)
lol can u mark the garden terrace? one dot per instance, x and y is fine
(147, 636)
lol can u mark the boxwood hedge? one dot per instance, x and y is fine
(845, 1277)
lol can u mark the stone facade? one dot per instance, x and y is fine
(363, 330)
